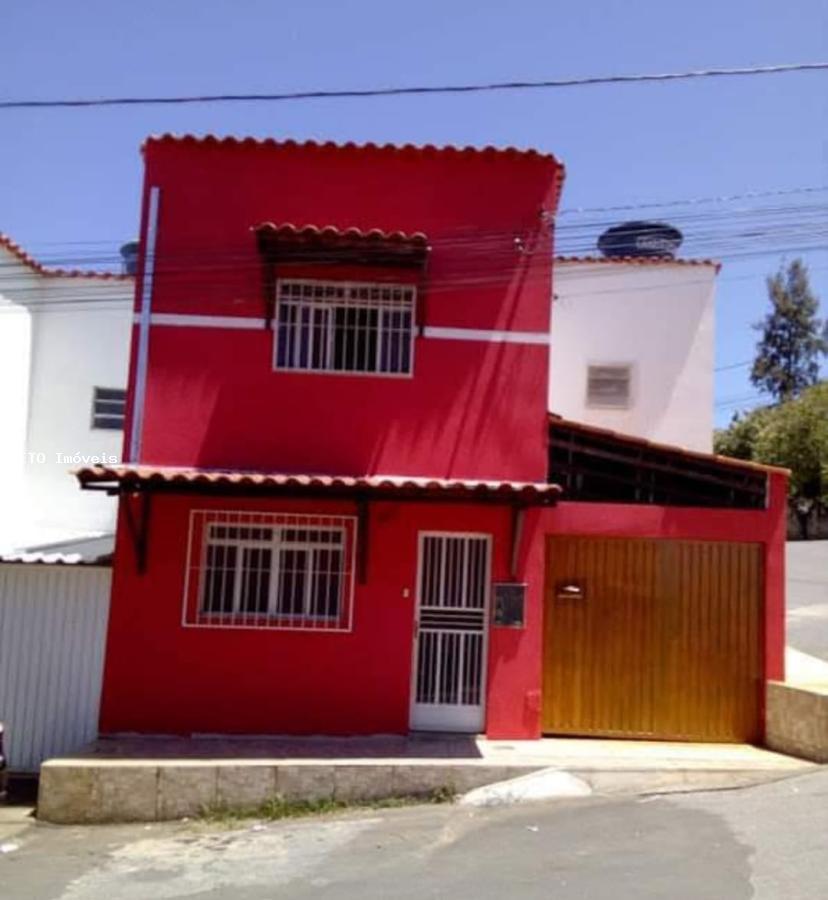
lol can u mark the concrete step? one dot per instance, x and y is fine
(94, 789)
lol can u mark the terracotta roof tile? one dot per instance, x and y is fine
(638, 261)
(50, 272)
(418, 149)
(489, 151)
(332, 232)
(55, 559)
(376, 485)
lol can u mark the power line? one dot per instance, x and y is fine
(692, 201)
(731, 231)
(357, 93)
(742, 401)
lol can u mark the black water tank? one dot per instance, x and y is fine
(129, 257)
(640, 239)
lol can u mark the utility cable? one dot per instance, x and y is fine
(358, 93)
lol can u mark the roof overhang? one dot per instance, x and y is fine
(637, 261)
(677, 451)
(132, 479)
(287, 243)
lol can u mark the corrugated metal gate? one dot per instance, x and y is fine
(52, 633)
(657, 639)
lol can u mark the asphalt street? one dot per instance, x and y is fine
(807, 596)
(766, 842)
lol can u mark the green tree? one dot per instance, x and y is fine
(738, 440)
(793, 337)
(793, 435)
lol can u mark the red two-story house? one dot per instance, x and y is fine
(344, 506)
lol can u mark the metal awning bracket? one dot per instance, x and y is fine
(138, 526)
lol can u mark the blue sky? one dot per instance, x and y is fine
(70, 179)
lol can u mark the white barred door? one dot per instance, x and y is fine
(449, 677)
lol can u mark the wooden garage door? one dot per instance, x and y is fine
(653, 639)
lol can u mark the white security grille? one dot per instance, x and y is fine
(450, 666)
(337, 326)
(270, 570)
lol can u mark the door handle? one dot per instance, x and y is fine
(570, 590)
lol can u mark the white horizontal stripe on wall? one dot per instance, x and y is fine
(193, 321)
(429, 331)
(475, 334)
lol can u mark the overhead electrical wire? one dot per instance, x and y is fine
(208, 276)
(418, 90)
(690, 201)
(723, 232)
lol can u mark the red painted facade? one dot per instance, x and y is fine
(212, 398)
(474, 408)
(162, 678)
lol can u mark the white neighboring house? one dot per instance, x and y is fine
(632, 346)
(64, 350)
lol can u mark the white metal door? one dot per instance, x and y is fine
(449, 678)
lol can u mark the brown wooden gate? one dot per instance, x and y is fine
(658, 639)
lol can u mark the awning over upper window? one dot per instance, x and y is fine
(281, 243)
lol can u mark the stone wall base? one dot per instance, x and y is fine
(83, 791)
(797, 720)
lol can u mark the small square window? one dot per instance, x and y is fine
(609, 386)
(108, 408)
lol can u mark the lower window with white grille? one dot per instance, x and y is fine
(270, 570)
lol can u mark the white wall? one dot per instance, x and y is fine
(78, 339)
(15, 351)
(659, 317)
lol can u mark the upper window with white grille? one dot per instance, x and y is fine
(609, 386)
(269, 571)
(108, 408)
(338, 326)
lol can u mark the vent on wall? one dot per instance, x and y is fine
(609, 387)
(108, 408)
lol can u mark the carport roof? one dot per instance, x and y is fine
(673, 449)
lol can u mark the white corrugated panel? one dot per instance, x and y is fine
(52, 635)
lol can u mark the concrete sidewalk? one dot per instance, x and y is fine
(141, 779)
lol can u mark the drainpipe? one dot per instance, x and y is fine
(144, 319)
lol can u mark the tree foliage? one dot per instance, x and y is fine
(738, 440)
(793, 337)
(793, 435)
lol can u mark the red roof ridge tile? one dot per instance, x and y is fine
(334, 231)
(640, 261)
(52, 272)
(311, 144)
